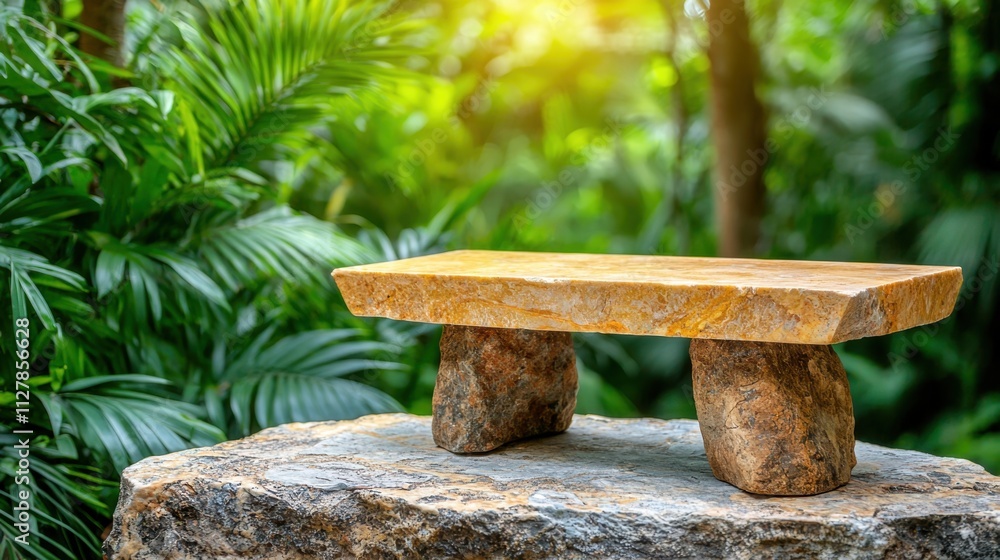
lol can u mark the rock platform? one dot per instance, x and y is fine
(378, 487)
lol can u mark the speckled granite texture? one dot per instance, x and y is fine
(378, 487)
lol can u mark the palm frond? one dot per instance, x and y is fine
(28, 71)
(277, 243)
(128, 253)
(297, 378)
(65, 505)
(262, 73)
(37, 218)
(30, 273)
(145, 269)
(125, 425)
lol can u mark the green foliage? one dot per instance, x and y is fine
(161, 269)
(591, 122)
(169, 227)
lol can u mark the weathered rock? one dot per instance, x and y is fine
(378, 487)
(776, 418)
(500, 385)
(805, 302)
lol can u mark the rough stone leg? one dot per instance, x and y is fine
(776, 418)
(500, 385)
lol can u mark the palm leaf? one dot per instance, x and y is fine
(148, 268)
(126, 426)
(261, 73)
(64, 503)
(29, 271)
(277, 243)
(296, 378)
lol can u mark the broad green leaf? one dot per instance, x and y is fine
(30, 160)
(109, 271)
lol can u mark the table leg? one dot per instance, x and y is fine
(499, 385)
(776, 418)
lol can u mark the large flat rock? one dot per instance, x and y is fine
(377, 487)
(804, 302)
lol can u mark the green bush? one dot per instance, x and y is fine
(174, 297)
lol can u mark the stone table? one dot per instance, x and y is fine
(771, 395)
(378, 487)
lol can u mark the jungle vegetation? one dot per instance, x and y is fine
(178, 178)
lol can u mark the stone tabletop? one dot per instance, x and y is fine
(378, 487)
(805, 302)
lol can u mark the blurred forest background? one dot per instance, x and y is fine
(178, 183)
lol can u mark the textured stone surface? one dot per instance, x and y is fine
(378, 488)
(500, 385)
(776, 418)
(732, 299)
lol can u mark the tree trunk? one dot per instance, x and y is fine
(106, 17)
(738, 129)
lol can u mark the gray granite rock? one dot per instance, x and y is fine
(378, 487)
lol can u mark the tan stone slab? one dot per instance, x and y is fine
(806, 302)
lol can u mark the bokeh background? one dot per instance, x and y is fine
(178, 184)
